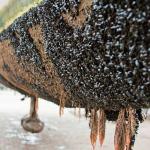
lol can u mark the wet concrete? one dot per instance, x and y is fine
(65, 133)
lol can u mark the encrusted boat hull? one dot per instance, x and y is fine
(91, 54)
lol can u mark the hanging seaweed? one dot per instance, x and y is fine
(120, 132)
(102, 126)
(94, 127)
(131, 124)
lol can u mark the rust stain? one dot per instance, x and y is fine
(56, 89)
(7, 56)
(52, 85)
(84, 11)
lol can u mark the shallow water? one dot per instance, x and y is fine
(65, 133)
